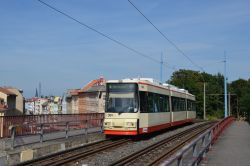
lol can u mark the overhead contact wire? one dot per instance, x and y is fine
(100, 33)
(171, 42)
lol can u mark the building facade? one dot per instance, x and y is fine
(89, 99)
(92, 100)
(11, 101)
(49, 105)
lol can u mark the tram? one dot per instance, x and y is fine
(144, 105)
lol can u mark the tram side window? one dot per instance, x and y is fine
(189, 105)
(164, 103)
(193, 108)
(150, 107)
(182, 104)
(161, 101)
(167, 106)
(143, 102)
(174, 104)
(156, 103)
(152, 102)
(178, 104)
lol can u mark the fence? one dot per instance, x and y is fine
(199, 146)
(32, 124)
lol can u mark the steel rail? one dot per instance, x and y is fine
(83, 155)
(70, 155)
(51, 156)
(132, 157)
(175, 148)
(205, 140)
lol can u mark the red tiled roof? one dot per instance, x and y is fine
(6, 91)
(97, 82)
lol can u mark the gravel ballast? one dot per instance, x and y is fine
(108, 157)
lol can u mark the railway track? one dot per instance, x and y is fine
(146, 156)
(73, 155)
(155, 153)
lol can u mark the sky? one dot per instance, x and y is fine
(38, 44)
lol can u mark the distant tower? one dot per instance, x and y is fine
(40, 89)
(36, 95)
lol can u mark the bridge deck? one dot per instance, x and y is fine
(232, 147)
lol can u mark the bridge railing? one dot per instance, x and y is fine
(35, 124)
(200, 146)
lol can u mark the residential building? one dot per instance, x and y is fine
(36, 106)
(92, 99)
(70, 102)
(20, 101)
(11, 100)
(55, 105)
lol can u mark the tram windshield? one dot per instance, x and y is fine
(122, 98)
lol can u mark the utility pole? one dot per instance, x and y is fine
(161, 68)
(229, 104)
(225, 85)
(204, 100)
(238, 115)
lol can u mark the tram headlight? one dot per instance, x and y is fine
(107, 123)
(130, 124)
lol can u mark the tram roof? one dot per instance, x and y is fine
(151, 81)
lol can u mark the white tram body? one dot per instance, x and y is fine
(143, 105)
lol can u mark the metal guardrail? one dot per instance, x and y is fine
(199, 146)
(32, 124)
(66, 129)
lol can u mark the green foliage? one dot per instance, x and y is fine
(193, 81)
(241, 88)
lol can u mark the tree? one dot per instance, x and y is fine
(241, 88)
(193, 81)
